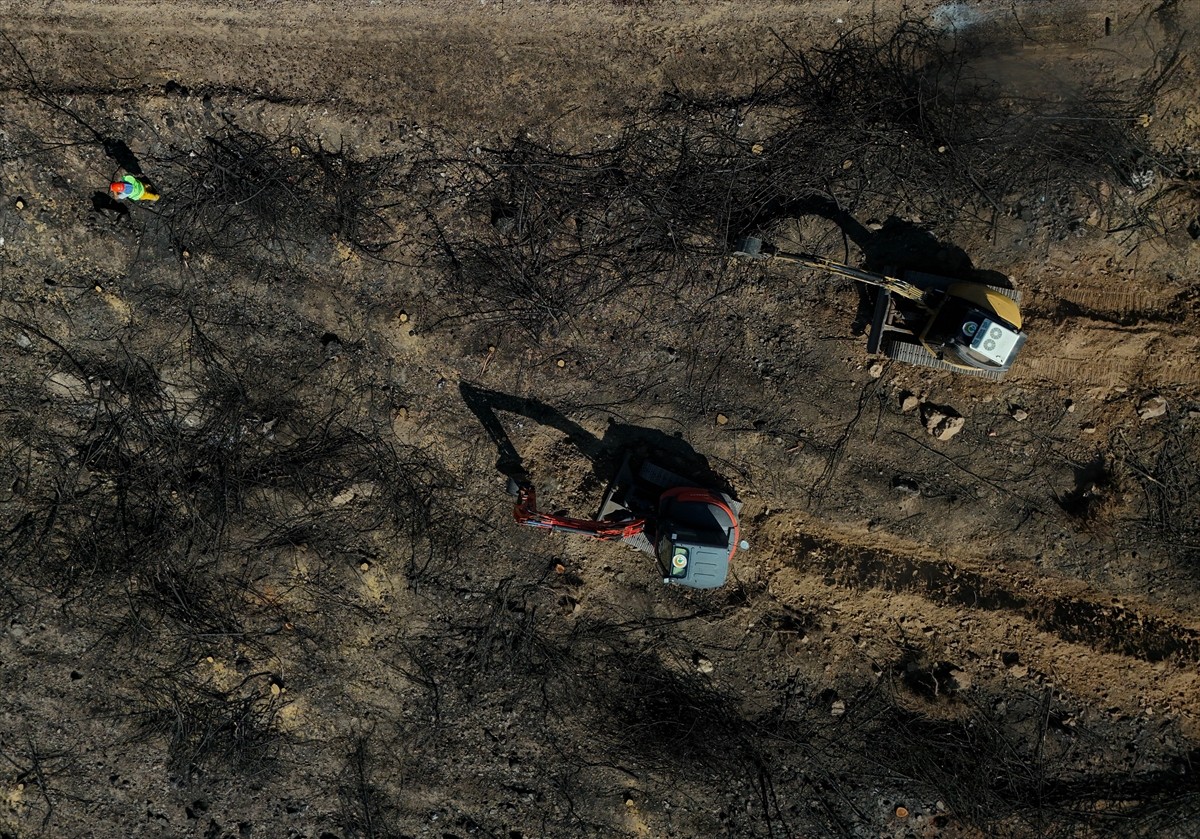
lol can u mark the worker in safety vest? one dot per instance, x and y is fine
(131, 189)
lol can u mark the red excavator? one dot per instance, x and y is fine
(691, 530)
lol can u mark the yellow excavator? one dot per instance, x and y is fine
(924, 319)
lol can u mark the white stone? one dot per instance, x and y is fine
(1151, 407)
(943, 427)
(67, 385)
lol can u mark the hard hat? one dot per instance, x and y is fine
(120, 187)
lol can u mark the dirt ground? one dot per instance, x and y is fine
(260, 575)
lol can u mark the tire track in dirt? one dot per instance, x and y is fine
(1151, 304)
(1109, 627)
(1102, 322)
(1088, 352)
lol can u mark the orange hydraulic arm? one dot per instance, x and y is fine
(526, 513)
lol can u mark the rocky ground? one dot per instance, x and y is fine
(260, 576)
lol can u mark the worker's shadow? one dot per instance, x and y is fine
(896, 247)
(102, 202)
(606, 454)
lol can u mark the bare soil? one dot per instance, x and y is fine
(259, 573)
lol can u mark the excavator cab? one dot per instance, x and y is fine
(976, 326)
(692, 532)
(697, 536)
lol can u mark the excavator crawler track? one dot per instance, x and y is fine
(918, 356)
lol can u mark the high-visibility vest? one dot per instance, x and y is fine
(138, 190)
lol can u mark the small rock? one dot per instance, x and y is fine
(909, 403)
(1019, 670)
(1151, 407)
(876, 370)
(23, 341)
(402, 317)
(703, 665)
(902, 812)
(941, 426)
(275, 689)
(1088, 428)
(1019, 414)
(1070, 406)
(342, 498)
(562, 362)
(19, 204)
(366, 566)
(949, 427)
(568, 605)
(66, 385)
(837, 708)
(722, 419)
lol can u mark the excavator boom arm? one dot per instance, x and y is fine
(820, 263)
(527, 513)
(752, 247)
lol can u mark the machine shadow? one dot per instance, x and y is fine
(606, 454)
(898, 245)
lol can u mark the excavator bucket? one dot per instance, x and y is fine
(749, 247)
